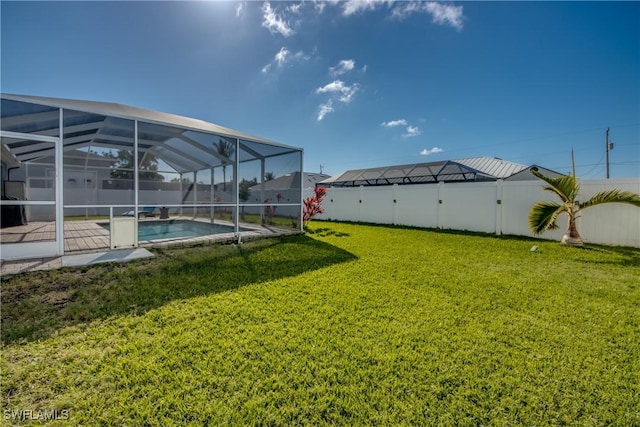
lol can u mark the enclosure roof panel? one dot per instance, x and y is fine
(418, 173)
(135, 113)
(185, 143)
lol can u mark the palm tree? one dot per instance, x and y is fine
(543, 215)
(225, 149)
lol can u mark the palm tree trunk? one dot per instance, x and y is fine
(224, 178)
(571, 236)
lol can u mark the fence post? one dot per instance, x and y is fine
(499, 202)
(394, 195)
(440, 215)
(360, 203)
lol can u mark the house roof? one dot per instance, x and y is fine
(291, 180)
(493, 166)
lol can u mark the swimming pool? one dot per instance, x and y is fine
(177, 229)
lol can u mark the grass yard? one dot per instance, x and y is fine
(347, 325)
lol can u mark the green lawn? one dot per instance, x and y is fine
(347, 325)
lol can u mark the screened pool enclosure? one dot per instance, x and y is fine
(83, 175)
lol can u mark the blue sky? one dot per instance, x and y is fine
(356, 84)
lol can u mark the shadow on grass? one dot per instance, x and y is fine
(35, 305)
(631, 252)
(449, 231)
(626, 256)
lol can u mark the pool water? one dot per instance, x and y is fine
(177, 229)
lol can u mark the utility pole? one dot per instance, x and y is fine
(609, 147)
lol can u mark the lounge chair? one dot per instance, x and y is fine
(147, 212)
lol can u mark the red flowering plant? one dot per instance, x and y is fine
(313, 204)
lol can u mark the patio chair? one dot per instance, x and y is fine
(147, 212)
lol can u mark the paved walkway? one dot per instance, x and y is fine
(78, 260)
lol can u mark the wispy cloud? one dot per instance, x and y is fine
(394, 123)
(319, 5)
(324, 109)
(283, 18)
(294, 8)
(240, 9)
(274, 22)
(351, 7)
(339, 89)
(411, 132)
(428, 152)
(284, 57)
(441, 14)
(343, 66)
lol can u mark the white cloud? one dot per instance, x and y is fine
(319, 6)
(324, 109)
(240, 9)
(281, 56)
(351, 7)
(294, 8)
(339, 89)
(442, 14)
(412, 131)
(284, 57)
(394, 123)
(445, 14)
(275, 23)
(301, 55)
(434, 150)
(343, 66)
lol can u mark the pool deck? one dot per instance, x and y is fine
(77, 260)
(86, 242)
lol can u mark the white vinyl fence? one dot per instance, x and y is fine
(500, 207)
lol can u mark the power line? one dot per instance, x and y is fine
(594, 167)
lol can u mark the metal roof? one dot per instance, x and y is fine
(492, 166)
(184, 143)
(291, 180)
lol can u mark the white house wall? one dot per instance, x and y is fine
(475, 207)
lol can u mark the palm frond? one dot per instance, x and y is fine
(564, 186)
(543, 216)
(612, 196)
